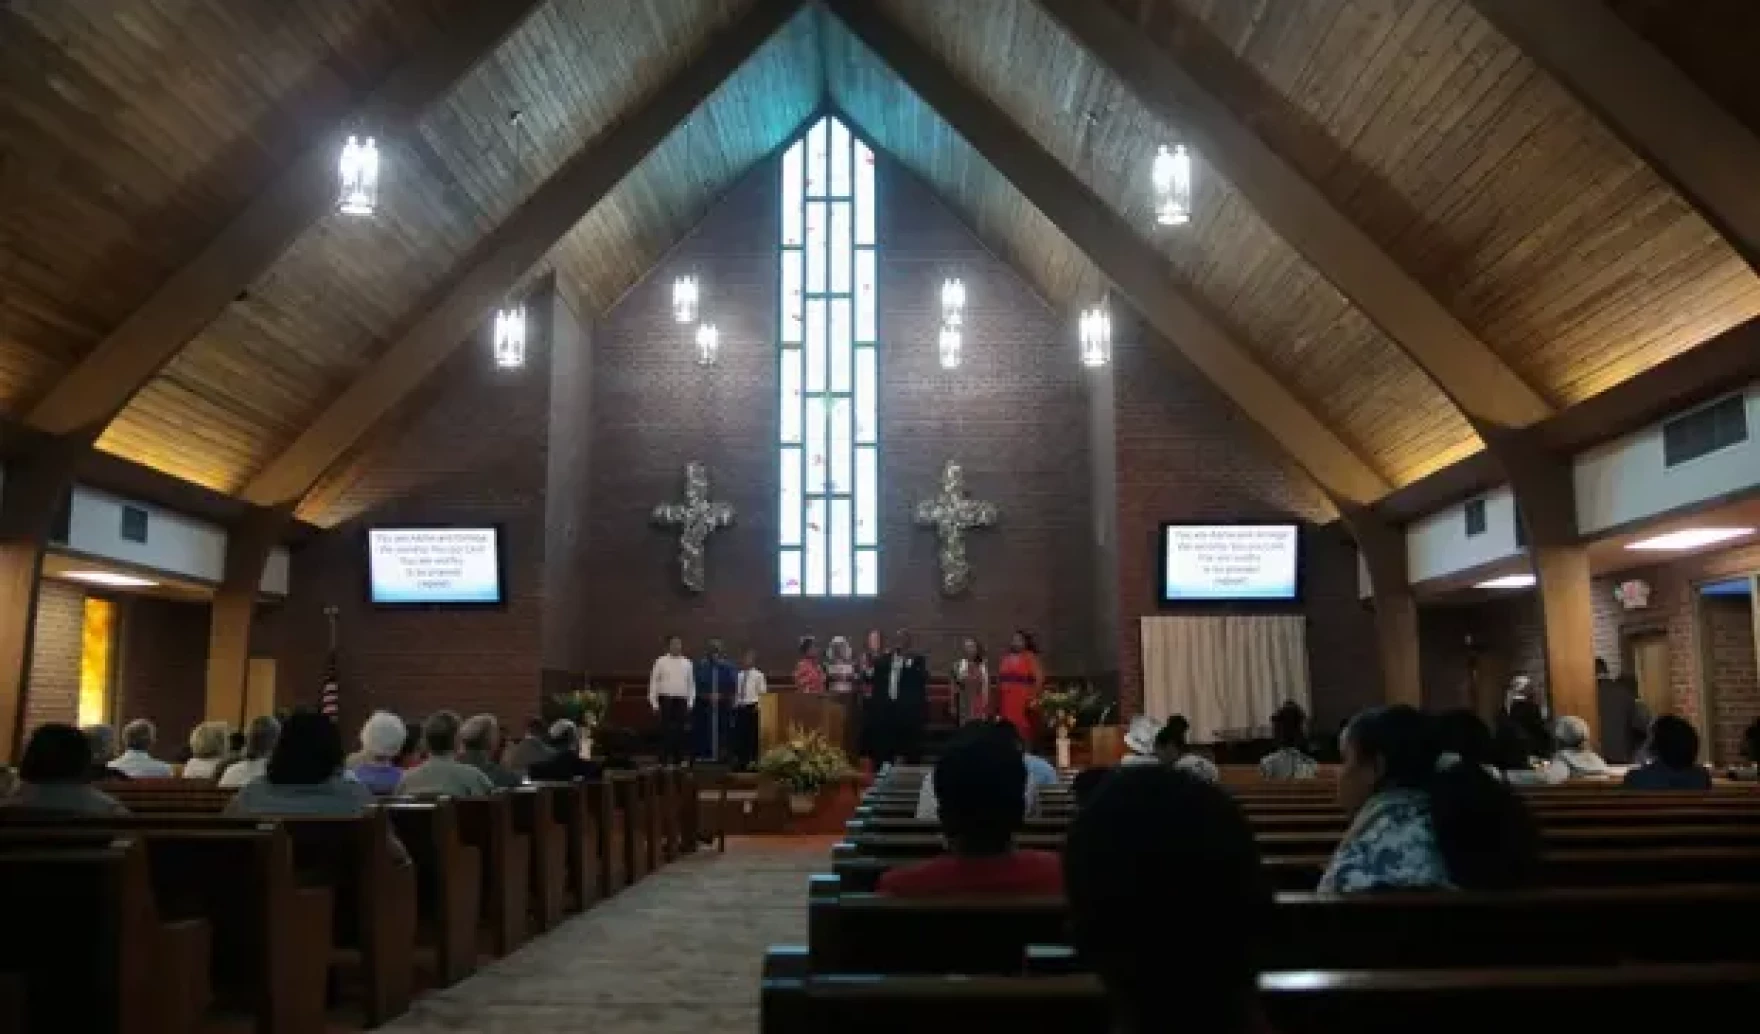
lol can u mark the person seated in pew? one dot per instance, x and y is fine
(1673, 750)
(1465, 739)
(1573, 758)
(565, 763)
(1086, 784)
(306, 777)
(259, 744)
(102, 741)
(207, 749)
(1749, 769)
(1170, 747)
(531, 749)
(375, 764)
(929, 807)
(54, 776)
(981, 786)
(137, 760)
(411, 753)
(479, 741)
(444, 773)
(1289, 729)
(1139, 742)
(235, 744)
(1168, 902)
(1418, 823)
(1040, 773)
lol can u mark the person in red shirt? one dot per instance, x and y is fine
(1155, 852)
(980, 787)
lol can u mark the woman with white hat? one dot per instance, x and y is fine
(1139, 741)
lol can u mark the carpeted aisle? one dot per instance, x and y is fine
(679, 952)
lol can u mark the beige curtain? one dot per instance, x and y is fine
(1225, 674)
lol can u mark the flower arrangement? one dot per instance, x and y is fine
(584, 707)
(1066, 709)
(805, 762)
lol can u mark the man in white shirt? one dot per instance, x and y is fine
(751, 688)
(672, 692)
(137, 761)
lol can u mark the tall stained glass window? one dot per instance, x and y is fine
(829, 454)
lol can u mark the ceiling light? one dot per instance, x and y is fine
(359, 171)
(1172, 175)
(684, 299)
(1096, 333)
(953, 302)
(1690, 538)
(110, 579)
(510, 338)
(950, 343)
(708, 344)
(1508, 581)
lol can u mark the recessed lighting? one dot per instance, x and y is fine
(1508, 581)
(1691, 538)
(110, 579)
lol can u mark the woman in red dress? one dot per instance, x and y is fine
(1018, 679)
(809, 675)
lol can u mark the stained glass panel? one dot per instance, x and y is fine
(867, 497)
(867, 387)
(815, 247)
(817, 144)
(813, 556)
(816, 459)
(867, 573)
(864, 194)
(840, 247)
(789, 573)
(791, 295)
(790, 417)
(815, 344)
(792, 187)
(865, 319)
(840, 445)
(840, 344)
(839, 159)
(840, 558)
(791, 496)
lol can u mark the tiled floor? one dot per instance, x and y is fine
(680, 951)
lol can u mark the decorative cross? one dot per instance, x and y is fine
(695, 519)
(951, 513)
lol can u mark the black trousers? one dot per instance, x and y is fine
(895, 731)
(675, 730)
(745, 736)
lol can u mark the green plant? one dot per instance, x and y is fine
(584, 707)
(1073, 706)
(805, 762)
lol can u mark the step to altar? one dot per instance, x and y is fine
(757, 806)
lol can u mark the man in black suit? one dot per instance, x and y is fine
(898, 708)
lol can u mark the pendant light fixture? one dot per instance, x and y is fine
(1172, 174)
(1096, 336)
(359, 174)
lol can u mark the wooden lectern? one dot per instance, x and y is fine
(783, 710)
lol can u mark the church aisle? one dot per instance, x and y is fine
(680, 951)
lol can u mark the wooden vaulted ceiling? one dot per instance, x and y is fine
(131, 132)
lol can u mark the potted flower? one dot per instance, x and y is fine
(1063, 710)
(804, 763)
(586, 708)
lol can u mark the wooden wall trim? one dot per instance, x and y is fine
(248, 544)
(1135, 268)
(1484, 387)
(1712, 159)
(497, 263)
(93, 392)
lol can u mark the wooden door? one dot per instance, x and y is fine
(259, 687)
(1650, 665)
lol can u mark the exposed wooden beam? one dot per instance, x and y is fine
(1383, 549)
(497, 263)
(1485, 388)
(1709, 156)
(1137, 270)
(91, 394)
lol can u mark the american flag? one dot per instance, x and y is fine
(330, 700)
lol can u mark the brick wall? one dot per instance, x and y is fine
(1183, 453)
(1728, 639)
(1013, 414)
(162, 668)
(55, 652)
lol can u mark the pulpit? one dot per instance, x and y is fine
(783, 710)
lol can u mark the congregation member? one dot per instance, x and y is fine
(1168, 903)
(1139, 742)
(1172, 750)
(101, 739)
(1673, 751)
(981, 787)
(305, 774)
(712, 712)
(1018, 682)
(375, 765)
(1573, 757)
(531, 749)
(1463, 738)
(1749, 767)
(479, 740)
(809, 674)
(410, 754)
(55, 776)
(208, 744)
(971, 683)
(444, 773)
(259, 744)
(1040, 773)
(1416, 823)
(1289, 731)
(751, 690)
(136, 760)
(898, 708)
(672, 693)
(1086, 784)
(564, 763)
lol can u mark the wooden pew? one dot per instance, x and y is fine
(607, 828)
(271, 936)
(449, 885)
(1512, 1001)
(571, 809)
(1583, 867)
(87, 948)
(627, 789)
(534, 817)
(486, 823)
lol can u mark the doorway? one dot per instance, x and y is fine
(1725, 626)
(1649, 664)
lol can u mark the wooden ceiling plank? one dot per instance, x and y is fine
(1135, 268)
(1481, 384)
(1688, 138)
(504, 257)
(91, 394)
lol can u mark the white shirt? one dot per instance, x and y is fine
(899, 661)
(751, 686)
(672, 677)
(138, 764)
(241, 772)
(201, 768)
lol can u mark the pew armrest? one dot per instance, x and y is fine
(301, 969)
(180, 972)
